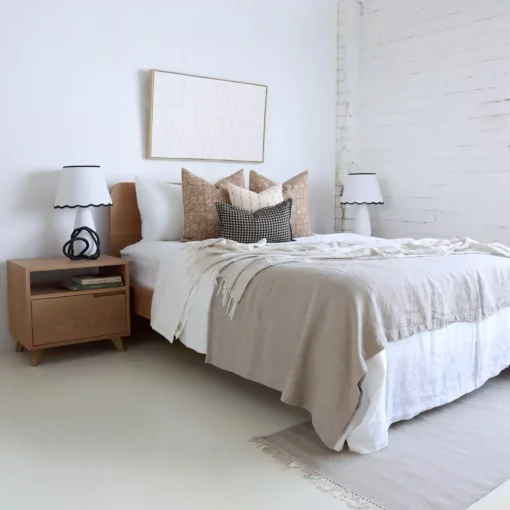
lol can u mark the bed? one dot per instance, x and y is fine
(418, 373)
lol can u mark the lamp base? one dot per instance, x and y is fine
(362, 221)
(84, 218)
(84, 243)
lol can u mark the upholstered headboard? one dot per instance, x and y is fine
(125, 221)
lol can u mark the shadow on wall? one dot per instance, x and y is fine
(35, 205)
(42, 229)
(143, 91)
(55, 226)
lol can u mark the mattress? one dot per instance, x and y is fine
(145, 260)
(145, 257)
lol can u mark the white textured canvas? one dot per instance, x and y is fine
(206, 118)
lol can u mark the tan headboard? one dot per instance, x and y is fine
(125, 221)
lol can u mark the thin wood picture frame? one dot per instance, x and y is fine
(248, 129)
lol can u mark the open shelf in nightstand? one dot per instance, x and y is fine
(48, 290)
(47, 283)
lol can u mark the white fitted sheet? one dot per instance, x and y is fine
(410, 376)
(145, 259)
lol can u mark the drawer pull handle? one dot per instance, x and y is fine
(108, 294)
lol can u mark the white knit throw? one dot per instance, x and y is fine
(232, 265)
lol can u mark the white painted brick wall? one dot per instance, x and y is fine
(433, 115)
(348, 88)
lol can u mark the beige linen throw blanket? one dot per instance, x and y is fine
(305, 318)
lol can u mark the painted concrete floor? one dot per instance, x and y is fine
(152, 428)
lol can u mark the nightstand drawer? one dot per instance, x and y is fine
(73, 318)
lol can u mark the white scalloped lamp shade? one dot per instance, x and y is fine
(82, 186)
(362, 189)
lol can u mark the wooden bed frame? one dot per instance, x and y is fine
(126, 229)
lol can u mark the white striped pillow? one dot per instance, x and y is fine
(251, 201)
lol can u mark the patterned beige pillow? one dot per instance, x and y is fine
(199, 200)
(295, 188)
(251, 201)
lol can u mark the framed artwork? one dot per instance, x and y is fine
(199, 118)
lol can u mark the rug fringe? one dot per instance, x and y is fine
(321, 482)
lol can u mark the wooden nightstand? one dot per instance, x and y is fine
(43, 314)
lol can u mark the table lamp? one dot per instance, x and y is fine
(82, 187)
(362, 189)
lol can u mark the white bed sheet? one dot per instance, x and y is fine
(413, 375)
(145, 259)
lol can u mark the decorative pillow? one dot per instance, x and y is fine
(295, 188)
(271, 223)
(251, 201)
(199, 199)
(161, 209)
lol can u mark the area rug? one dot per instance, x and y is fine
(444, 459)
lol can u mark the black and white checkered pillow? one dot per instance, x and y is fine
(271, 223)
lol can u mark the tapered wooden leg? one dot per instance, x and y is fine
(35, 358)
(19, 347)
(119, 345)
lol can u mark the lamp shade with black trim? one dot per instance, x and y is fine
(82, 186)
(362, 188)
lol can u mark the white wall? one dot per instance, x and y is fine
(434, 116)
(73, 90)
